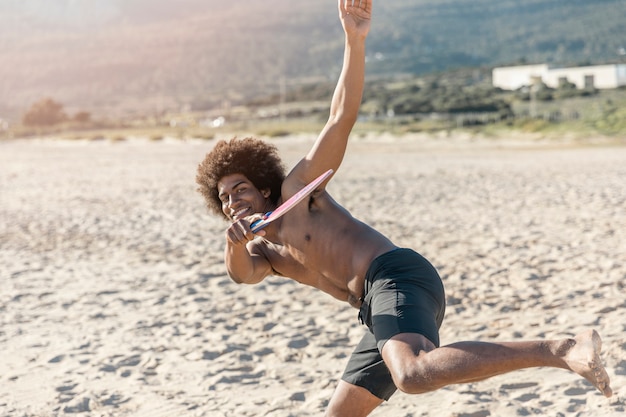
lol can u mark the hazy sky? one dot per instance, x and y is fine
(81, 50)
(55, 14)
(23, 17)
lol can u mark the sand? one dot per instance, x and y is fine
(115, 301)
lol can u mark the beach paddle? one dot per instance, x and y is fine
(290, 203)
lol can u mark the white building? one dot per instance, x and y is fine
(597, 76)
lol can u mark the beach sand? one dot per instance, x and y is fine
(115, 301)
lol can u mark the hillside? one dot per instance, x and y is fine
(145, 55)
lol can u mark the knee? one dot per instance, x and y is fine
(408, 358)
(416, 379)
(415, 385)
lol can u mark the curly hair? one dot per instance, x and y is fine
(254, 158)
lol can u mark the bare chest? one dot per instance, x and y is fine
(295, 263)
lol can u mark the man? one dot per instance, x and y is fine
(318, 243)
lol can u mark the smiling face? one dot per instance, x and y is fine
(240, 198)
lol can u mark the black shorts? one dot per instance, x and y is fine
(403, 294)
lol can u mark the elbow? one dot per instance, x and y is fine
(235, 279)
(238, 279)
(342, 120)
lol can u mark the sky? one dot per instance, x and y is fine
(41, 15)
(76, 49)
(28, 17)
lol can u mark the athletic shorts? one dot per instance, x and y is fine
(403, 294)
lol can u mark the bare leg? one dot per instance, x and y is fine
(417, 366)
(351, 401)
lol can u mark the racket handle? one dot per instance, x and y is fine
(257, 225)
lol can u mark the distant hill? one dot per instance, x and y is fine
(147, 55)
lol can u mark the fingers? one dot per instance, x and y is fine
(239, 232)
(347, 6)
(342, 7)
(357, 10)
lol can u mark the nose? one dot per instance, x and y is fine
(232, 200)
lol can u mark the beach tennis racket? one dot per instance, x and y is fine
(290, 203)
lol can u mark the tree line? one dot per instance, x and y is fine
(454, 92)
(48, 112)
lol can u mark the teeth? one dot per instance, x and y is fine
(240, 212)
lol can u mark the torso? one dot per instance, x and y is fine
(318, 243)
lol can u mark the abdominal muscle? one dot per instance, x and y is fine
(325, 247)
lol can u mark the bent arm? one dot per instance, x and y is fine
(243, 265)
(330, 146)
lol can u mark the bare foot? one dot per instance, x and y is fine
(583, 357)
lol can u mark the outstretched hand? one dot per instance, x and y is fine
(355, 16)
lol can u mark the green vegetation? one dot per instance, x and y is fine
(415, 37)
(239, 51)
(453, 100)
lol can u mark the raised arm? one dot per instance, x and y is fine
(330, 146)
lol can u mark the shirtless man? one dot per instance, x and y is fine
(318, 243)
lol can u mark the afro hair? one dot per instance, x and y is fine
(254, 158)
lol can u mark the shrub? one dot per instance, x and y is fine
(45, 112)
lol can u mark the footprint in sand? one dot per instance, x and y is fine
(578, 391)
(520, 385)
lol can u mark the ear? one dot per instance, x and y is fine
(266, 192)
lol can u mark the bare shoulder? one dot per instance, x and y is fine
(294, 185)
(291, 185)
